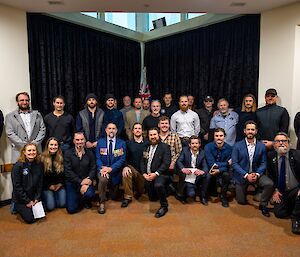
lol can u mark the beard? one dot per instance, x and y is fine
(24, 107)
(282, 149)
(184, 108)
(92, 105)
(154, 141)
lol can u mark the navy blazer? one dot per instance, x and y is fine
(241, 162)
(118, 159)
(294, 160)
(185, 160)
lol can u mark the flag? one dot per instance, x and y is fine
(144, 87)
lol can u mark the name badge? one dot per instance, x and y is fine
(25, 171)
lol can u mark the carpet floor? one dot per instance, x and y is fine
(187, 230)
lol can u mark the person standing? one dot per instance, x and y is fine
(126, 106)
(151, 120)
(271, 119)
(90, 120)
(60, 124)
(24, 126)
(167, 107)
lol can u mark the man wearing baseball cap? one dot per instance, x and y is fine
(271, 119)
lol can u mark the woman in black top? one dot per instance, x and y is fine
(27, 178)
(54, 193)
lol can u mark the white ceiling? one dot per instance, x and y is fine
(183, 6)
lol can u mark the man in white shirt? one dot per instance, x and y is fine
(24, 126)
(185, 122)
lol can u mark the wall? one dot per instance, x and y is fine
(14, 74)
(280, 58)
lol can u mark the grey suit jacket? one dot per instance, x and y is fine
(131, 119)
(16, 132)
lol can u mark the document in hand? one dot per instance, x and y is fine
(191, 178)
(38, 210)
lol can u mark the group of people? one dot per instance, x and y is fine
(141, 149)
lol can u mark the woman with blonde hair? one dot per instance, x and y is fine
(27, 179)
(54, 193)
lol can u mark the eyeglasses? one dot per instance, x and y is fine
(281, 141)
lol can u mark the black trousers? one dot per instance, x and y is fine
(156, 189)
(182, 185)
(289, 205)
(25, 212)
(222, 179)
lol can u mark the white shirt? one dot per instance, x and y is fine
(26, 119)
(152, 150)
(185, 124)
(113, 143)
(251, 150)
(194, 159)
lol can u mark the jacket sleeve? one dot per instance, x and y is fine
(16, 177)
(285, 121)
(180, 161)
(42, 130)
(39, 186)
(92, 173)
(10, 131)
(235, 162)
(98, 157)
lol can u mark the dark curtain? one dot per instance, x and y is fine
(73, 61)
(221, 60)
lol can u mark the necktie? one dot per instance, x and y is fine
(281, 181)
(110, 151)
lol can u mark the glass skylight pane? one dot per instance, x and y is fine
(126, 20)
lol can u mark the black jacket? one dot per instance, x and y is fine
(161, 159)
(27, 179)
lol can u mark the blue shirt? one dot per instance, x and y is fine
(228, 123)
(219, 156)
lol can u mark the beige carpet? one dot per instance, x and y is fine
(186, 230)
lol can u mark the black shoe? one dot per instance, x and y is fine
(296, 227)
(125, 203)
(161, 212)
(264, 211)
(101, 209)
(204, 201)
(181, 199)
(87, 205)
(224, 202)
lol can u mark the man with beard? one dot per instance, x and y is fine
(60, 124)
(218, 156)
(225, 119)
(284, 169)
(185, 122)
(271, 119)
(112, 115)
(151, 121)
(168, 108)
(249, 162)
(110, 155)
(89, 121)
(155, 167)
(24, 126)
(192, 171)
(146, 104)
(137, 114)
(132, 176)
(80, 170)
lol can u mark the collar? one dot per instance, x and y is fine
(20, 111)
(195, 153)
(248, 144)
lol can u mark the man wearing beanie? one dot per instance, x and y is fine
(112, 115)
(89, 121)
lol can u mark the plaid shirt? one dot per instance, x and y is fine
(174, 142)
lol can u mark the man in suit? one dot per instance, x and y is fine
(110, 155)
(24, 126)
(218, 156)
(192, 168)
(137, 114)
(249, 162)
(155, 167)
(284, 169)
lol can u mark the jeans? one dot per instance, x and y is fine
(54, 199)
(75, 198)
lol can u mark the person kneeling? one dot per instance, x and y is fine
(192, 171)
